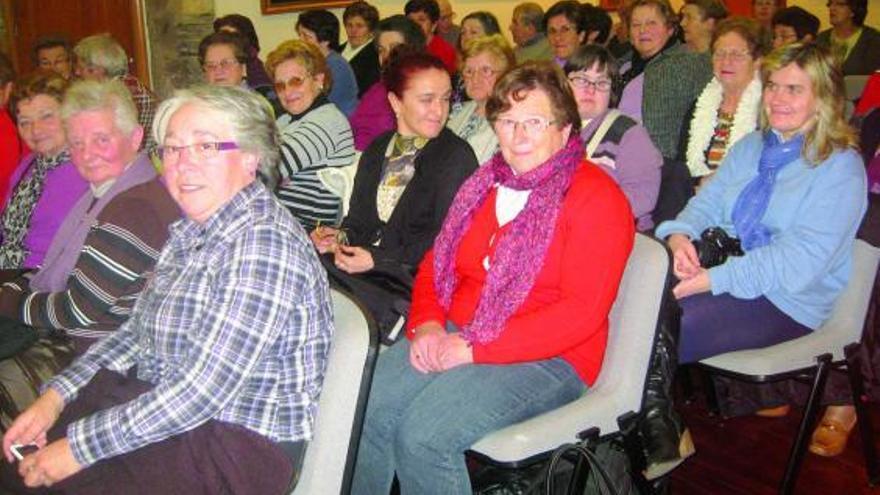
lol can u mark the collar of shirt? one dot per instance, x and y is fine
(190, 234)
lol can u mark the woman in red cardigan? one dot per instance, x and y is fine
(509, 316)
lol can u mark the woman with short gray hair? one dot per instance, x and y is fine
(213, 382)
(100, 58)
(93, 269)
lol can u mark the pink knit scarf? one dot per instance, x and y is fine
(520, 253)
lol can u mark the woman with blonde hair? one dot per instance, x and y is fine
(784, 208)
(314, 132)
(484, 59)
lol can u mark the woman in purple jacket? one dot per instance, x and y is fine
(615, 142)
(45, 185)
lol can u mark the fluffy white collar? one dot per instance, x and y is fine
(702, 128)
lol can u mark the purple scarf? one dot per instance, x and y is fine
(68, 241)
(520, 252)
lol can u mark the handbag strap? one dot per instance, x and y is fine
(599, 135)
(593, 463)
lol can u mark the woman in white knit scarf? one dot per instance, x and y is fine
(729, 106)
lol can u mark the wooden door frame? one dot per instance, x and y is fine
(137, 22)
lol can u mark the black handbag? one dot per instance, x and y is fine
(566, 473)
(15, 337)
(592, 470)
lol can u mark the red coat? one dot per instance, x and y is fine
(566, 312)
(441, 49)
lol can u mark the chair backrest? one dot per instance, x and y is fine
(330, 456)
(633, 325)
(620, 385)
(848, 316)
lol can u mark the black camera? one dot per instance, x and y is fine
(715, 246)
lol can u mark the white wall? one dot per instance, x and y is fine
(273, 29)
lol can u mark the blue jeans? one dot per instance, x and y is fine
(419, 425)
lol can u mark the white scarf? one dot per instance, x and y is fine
(702, 128)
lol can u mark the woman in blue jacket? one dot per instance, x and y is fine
(793, 195)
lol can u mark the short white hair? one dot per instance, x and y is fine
(101, 50)
(86, 96)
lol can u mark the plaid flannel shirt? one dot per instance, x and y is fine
(235, 325)
(145, 101)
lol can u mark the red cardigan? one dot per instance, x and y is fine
(566, 312)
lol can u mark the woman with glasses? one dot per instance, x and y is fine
(730, 106)
(509, 317)
(614, 141)
(314, 132)
(853, 43)
(483, 60)
(223, 59)
(565, 29)
(783, 210)
(212, 384)
(404, 185)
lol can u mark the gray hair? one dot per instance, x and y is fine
(101, 50)
(85, 96)
(249, 114)
(530, 14)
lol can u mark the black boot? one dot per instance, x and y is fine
(666, 441)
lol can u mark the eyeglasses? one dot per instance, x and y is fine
(582, 82)
(199, 151)
(531, 126)
(733, 55)
(293, 83)
(224, 64)
(563, 30)
(484, 71)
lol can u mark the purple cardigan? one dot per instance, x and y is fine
(62, 188)
(372, 117)
(628, 155)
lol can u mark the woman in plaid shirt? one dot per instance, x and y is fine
(212, 384)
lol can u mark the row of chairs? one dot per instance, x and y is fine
(612, 404)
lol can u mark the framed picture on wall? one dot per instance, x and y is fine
(284, 6)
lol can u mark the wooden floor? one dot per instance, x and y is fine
(747, 455)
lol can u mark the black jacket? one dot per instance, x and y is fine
(441, 167)
(365, 66)
(864, 58)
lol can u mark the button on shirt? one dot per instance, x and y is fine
(235, 325)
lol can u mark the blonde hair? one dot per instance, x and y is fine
(493, 44)
(830, 130)
(305, 54)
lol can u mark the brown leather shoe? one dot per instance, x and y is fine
(774, 412)
(829, 438)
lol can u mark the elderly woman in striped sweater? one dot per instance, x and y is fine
(314, 132)
(95, 266)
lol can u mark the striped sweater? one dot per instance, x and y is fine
(116, 257)
(318, 139)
